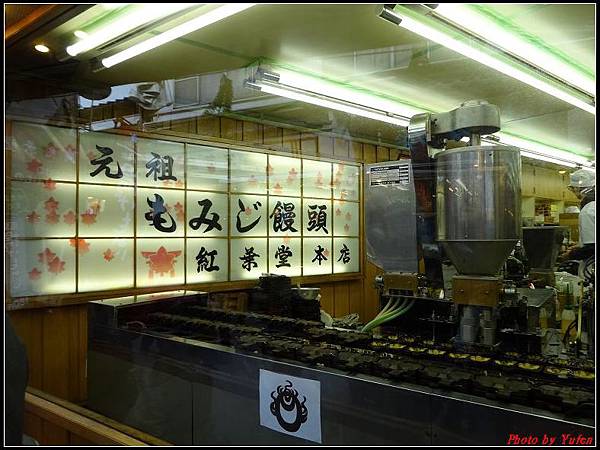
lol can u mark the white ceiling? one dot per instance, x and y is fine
(350, 43)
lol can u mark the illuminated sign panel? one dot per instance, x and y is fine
(97, 211)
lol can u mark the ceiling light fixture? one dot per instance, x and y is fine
(215, 15)
(536, 150)
(321, 92)
(468, 18)
(458, 41)
(41, 48)
(134, 18)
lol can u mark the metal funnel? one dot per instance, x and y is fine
(479, 257)
(541, 245)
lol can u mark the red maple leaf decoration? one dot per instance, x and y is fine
(51, 204)
(81, 244)
(88, 218)
(34, 274)
(49, 184)
(69, 218)
(326, 253)
(33, 217)
(56, 266)
(248, 211)
(46, 255)
(319, 181)
(52, 217)
(166, 183)
(293, 173)
(34, 166)
(338, 212)
(108, 255)
(179, 212)
(50, 151)
(161, 261)
(277, 188)
(286, 239)
(91, 155)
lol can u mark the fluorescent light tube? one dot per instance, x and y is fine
(204, 20)
(141, 15)
(547, 159)
(331, 103)
(455, 42)
(543, 150)
(485, 27)
(351, 95)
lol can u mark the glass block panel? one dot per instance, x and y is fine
(285, 216)
(249, 215)
(317, 256)
(105, 211)
(42, 209)
(42, 267)
(160, 164)
(160, 213)
(207, 260)
(206, 168)
(316, 217)
(105, 158)
(160, 262)
(346, 182)
(285, 256)
(316, 179)
(284, 175)
(105, 264)
(248, 258)
(248, 172)
(346, 255)
(346, 218)
(207, 214)
(43, 152)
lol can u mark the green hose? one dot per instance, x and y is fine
(388, 316)
(389, 306)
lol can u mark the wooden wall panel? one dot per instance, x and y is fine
(341, 299)
(383, 153)
(328, 297)
(341, 148)
(291, 141)
(209, 126)
(32, 426)
(308, 144)
(325, 146)
(56, 343)
(252, 133)
(229, 129)
(28, 325)
(273, 137)
(369, 153)
(355, 152)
